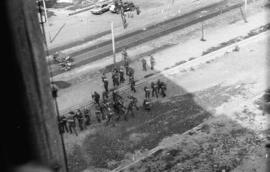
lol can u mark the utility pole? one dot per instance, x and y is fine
(45, 10)
(202, 26)
(203, 39)
(245, 7)
(113, 44)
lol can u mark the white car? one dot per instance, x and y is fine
(100, 9)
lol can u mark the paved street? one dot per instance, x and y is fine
(132, 39)
(81, 93)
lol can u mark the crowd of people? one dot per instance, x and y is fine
(111, 107)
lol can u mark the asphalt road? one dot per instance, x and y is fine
(104, 49)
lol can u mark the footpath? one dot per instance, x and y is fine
(79, 95)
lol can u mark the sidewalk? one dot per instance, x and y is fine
(81, 93)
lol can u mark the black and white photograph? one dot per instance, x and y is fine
(136, 86)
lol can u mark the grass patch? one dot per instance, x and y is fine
(76, 162)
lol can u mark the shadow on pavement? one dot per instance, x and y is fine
(107, 147)
(61, 84)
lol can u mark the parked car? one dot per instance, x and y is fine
(128, 6)
(100, 9)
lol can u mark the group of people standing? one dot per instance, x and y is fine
(112, 107)
(67, 123)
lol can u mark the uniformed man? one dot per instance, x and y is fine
(147, 104)
(105, 96)
(102, 110)
(147, 92)
(129, 110)
(71, 123)
(126, 65)
(163, 89)
(158, 85)
(132, 85)
(132, 104)
(54, 90)
(144, 64)
(87, 117)
(96, 97)
(121, 72)
(116, 96)
(79, 117)
(63, 124)
(105, 82)
(98, 113)
(115, 78)
(110, 115)
(154, 89)
(152, 62)
(124, 54)
(134, 101)
(119, 109)
(131, 74)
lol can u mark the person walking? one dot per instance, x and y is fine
(147, 92)
(154, 89)
(144, 64)
(152, 62)
(132, 85)
(105, 82)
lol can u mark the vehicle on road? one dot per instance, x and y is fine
(63, 60)
(100, 9)
(128, 6)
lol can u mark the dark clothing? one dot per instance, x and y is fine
(125, 55)
(72, 125)
(110, 115)
(54, 91)
(122, 78)
(154, 90)
(116, 97)
(79, 117)
(96, 97)
(105, 96)
(98, 116)
(102, 110)
(129, 110)
(147, 104)
(152, 62)
(147, 92)
(63, 125)
(105, 82)
(126, 65)
(158, 86)
(163, 89)
(131, 72)
(144, 64)
(132, 85)
(115, 78)
(87, 117)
